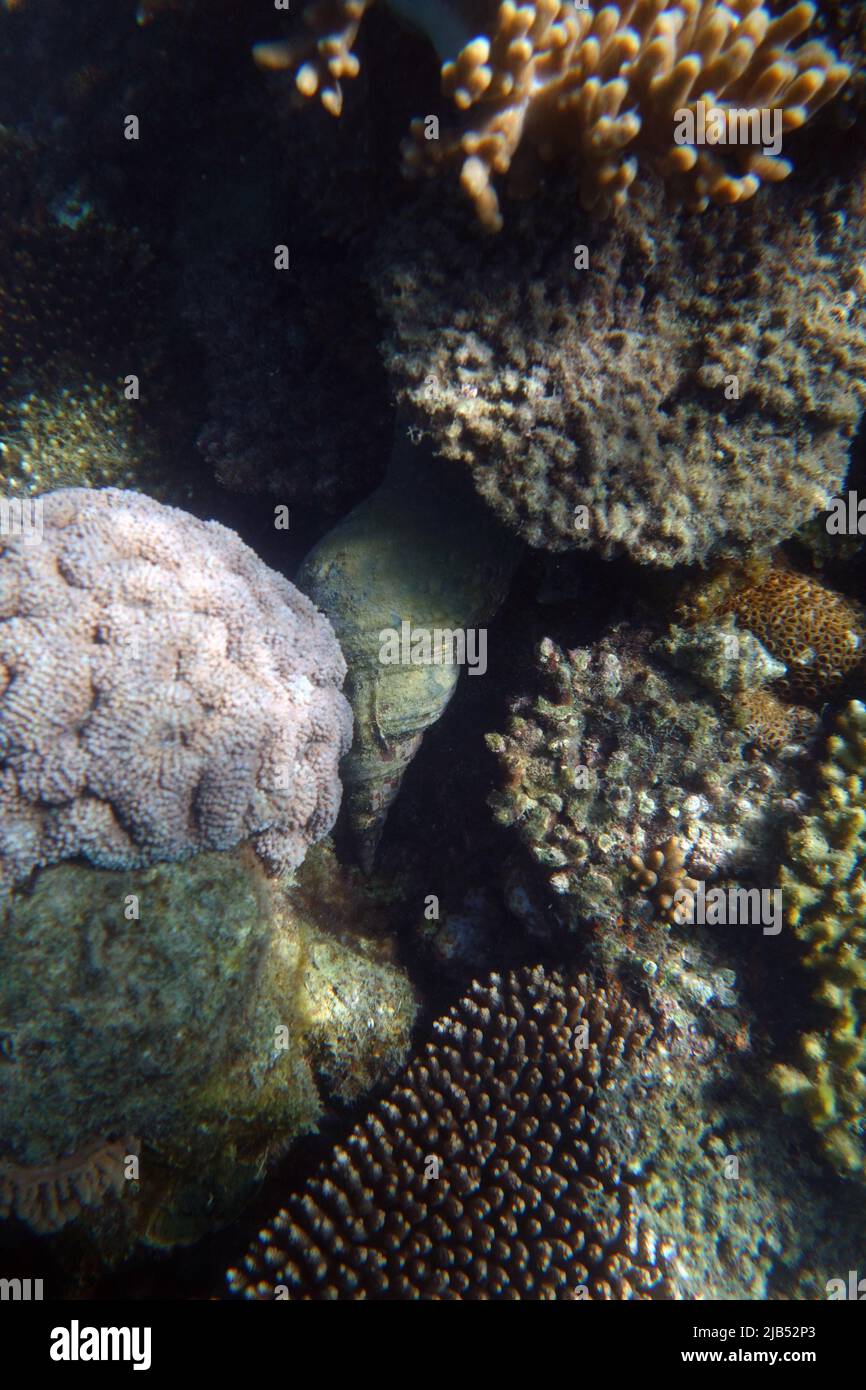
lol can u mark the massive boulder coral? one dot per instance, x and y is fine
(489, 1171)
(200, 1006)
(670, 388)
(599, 88)
(163, 692)
(824, 885)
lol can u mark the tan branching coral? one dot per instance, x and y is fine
(494, 1169)
(324, 57)
(599, 87)
(662, 875)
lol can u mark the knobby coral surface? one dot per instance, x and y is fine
(824, 887)
(163, 692)
(672, 388)
(610, 758)
(599, 88)
(488, 1171)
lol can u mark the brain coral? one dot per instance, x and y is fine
(163, 692)
(824, 887)
(597, 86)
(488, 1172)
(667, 387)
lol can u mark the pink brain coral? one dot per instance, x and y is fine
(162, 691)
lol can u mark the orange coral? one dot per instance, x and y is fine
(818, 633)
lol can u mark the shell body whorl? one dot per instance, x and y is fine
(422, 551)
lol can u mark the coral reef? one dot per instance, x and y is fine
(418, 557)
(673, 389)
(824, 885)
(552, 82)
(611, 760)
(488, 1171)
(163, 692)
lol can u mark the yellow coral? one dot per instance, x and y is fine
(551, 81)
(824, 888)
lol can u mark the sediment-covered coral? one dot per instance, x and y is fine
(824, 885)
(488, 1172)
(597, 89)
(200, 1005)
(616, 756)
(668, 388)
(163, 691)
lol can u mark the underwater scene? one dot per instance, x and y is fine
(432, 651)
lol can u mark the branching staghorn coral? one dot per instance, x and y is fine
(824, 887)
(600, 87)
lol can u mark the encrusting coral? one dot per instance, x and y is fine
(670, 388)
(819, 634)
(599, 88)
(163, 691)
(488, 1171)
(824, 885)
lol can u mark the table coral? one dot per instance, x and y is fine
(488, 1172)
(163, 692)
(824, 885)
(597, 87)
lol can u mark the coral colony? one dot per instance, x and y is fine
(411, 342)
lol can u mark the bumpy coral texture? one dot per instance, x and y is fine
(163, 692)
(824, 887)
(610, 759)
(488, 1172)
(668, 388)
(819, 634)
(598, 87)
